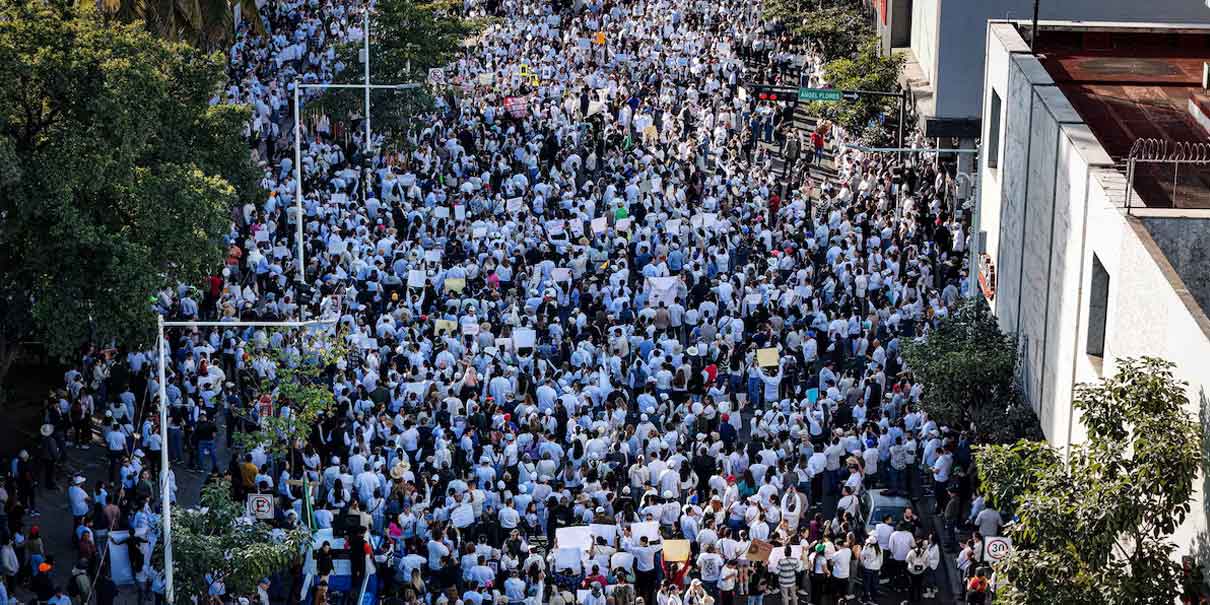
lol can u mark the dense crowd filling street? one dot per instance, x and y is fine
(608, 331)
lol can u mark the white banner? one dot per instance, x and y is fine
(663, 290)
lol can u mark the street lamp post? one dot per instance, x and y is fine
(165, 500)
(298, 175)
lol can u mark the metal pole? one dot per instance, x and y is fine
(366, 39)
(866, 149)
(165, 500)
(1033, 30)
(902, 118)
(250, 324)
(298, 191)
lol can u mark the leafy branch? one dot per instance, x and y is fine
(297, 383)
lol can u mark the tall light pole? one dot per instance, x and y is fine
(1033, 30)
(366, 49)
(298, 196)
(165, 499)
(298, 175)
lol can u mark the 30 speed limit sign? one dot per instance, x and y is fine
(999, 548)
(260, 506)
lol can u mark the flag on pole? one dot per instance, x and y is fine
(307, 512)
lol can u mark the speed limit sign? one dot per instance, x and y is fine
(999, 548)
(260, 506)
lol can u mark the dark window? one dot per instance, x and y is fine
(1098, 308)
(993, 133)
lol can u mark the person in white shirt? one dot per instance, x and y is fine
(644, 562)
(901, 543)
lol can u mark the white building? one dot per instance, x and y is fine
(1081, 279)
(943, 43)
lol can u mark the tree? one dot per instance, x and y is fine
(835, 27)
(298, 384)
(837, 31)
(207, 24)
(865, 70)
(118, 175)
(1095, 528)
(407, 38)
(218, 539)
(965, 364)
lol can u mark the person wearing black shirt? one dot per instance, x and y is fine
(205, 434)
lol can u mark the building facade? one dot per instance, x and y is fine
(945, 51)
(1082, 279)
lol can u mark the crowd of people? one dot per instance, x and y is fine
(596, 286)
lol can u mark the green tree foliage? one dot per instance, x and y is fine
(407, 38)
(300, 385)
(865, 70)
(214, 539)
(1095, 528)
(966, 364)
(835, 27)
(207, 24)
(118, 175)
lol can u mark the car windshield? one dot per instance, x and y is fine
(880, 513)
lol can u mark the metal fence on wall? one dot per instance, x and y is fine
(1168, 173)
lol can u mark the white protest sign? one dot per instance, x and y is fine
(416, 388)
(514, 204)
(524, 338)
(460, 212)
(416, 278)
(600, 225)
(579, 536)
(663, 290)
(609, 532)
(651, 529)
(623, 224)
(432, 256)
(120, 570)
(560, 274)
(441, 212)
(568, 558)
(622, 560)
(704, 220)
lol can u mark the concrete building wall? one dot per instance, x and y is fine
(1054, 206)
(924, 35)
(948, 35)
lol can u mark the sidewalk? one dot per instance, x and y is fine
(55, 522)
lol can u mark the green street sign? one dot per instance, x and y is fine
(819, 94)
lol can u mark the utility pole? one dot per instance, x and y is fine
(1033, 30)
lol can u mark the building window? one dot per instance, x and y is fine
(993, 132)
(1098, 308)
